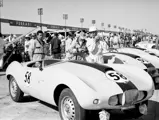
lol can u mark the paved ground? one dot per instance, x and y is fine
(32, 109)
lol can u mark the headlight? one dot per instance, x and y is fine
(131, 96)
(113, 100)
(141, 95)
(121, 98)
(142, 60)
(118, 99)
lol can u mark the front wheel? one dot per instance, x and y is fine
(14, 90)
(69, 107)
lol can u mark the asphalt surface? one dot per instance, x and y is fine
(32, 109)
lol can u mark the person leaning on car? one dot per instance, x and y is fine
(38, 47)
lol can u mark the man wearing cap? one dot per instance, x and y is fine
(38, 48)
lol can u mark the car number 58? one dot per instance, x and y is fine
(27, 77)
(117, 77)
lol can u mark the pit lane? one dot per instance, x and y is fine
(32, 109)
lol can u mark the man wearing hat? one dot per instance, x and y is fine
(94, 47)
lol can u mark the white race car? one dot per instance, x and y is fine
(77, 87)
(135, 60)
(146, 45)
(144, 55)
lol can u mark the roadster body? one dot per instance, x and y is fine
(154, 60)
(146, 45)
(135, 60)
(77, 86)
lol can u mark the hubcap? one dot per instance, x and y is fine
(13, 88)
(68, 108)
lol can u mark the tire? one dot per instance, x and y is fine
(134, 113)
(14, 90)
(68, 103)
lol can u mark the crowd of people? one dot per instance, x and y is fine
(77, 45)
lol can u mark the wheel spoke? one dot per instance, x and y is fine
(68, 108)
(13, 88)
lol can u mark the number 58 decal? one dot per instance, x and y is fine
(117, 77)
(27, 77)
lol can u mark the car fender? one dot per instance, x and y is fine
(140, 78)
(84, 91)
(16, 70)
(128, 60)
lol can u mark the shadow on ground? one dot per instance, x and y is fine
(153, 110)
(153, 113)
(28, 99)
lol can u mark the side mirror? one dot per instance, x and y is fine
(40, 68)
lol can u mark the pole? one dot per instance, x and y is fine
(41, 21)
(65, 28)
(81, 24)
(1, 5)
(0, 20)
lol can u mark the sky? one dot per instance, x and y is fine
(131, 14)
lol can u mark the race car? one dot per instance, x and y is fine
(80, 88)
(146, 45)
(144, 55)
(131, 59)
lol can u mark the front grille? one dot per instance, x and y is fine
(131, 97)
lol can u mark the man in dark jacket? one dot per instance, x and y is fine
(56, 47)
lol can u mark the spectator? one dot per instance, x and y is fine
(95, 49)
(2, 45)
(27, 48)
(68, 48)
(38, 47)
(56, 47)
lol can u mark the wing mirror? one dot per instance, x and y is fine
(39, 65)
(40, 68)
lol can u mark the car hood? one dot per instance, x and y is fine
(127, 60)
(139, 77)
(152, 59)
(156, 52)
(97, 80)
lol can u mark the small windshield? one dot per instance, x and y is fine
(49, 62)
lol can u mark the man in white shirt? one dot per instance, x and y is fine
(95, 47)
